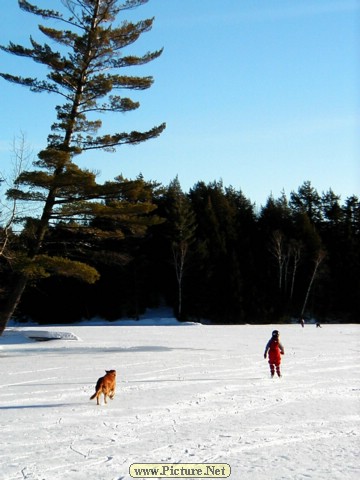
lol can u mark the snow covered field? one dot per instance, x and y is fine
(185, 394)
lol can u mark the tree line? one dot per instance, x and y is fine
(208, 253)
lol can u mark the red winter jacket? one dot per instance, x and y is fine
(275, 350)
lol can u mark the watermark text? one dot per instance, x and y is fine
(179, 470)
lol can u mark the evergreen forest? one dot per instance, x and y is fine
(209, 254)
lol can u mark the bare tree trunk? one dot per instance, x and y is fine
(277, 250)
(320, 257)
(296, 254)
(179, 262)
(286, 268)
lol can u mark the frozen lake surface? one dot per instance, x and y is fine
(185, 394)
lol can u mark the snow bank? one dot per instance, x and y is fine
(37, 334)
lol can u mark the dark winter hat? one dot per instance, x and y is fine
(275, 333)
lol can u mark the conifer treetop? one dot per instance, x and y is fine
(88, 73)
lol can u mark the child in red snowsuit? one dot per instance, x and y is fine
(275, 349)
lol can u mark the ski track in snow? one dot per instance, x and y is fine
(184, 395)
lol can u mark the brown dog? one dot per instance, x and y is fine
(106, 386)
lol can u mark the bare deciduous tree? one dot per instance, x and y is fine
(277, 249)
(21, 158)
(317, 261)
(296, 255)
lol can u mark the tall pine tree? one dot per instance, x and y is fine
(83, 73)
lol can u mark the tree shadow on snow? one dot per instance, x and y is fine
(81, 350)
(45, 405)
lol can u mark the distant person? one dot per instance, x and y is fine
(318, 325)
(275, 349)
(302, 322)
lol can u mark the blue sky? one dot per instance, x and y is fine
(261, 94)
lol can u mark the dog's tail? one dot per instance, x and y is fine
(97, 389)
